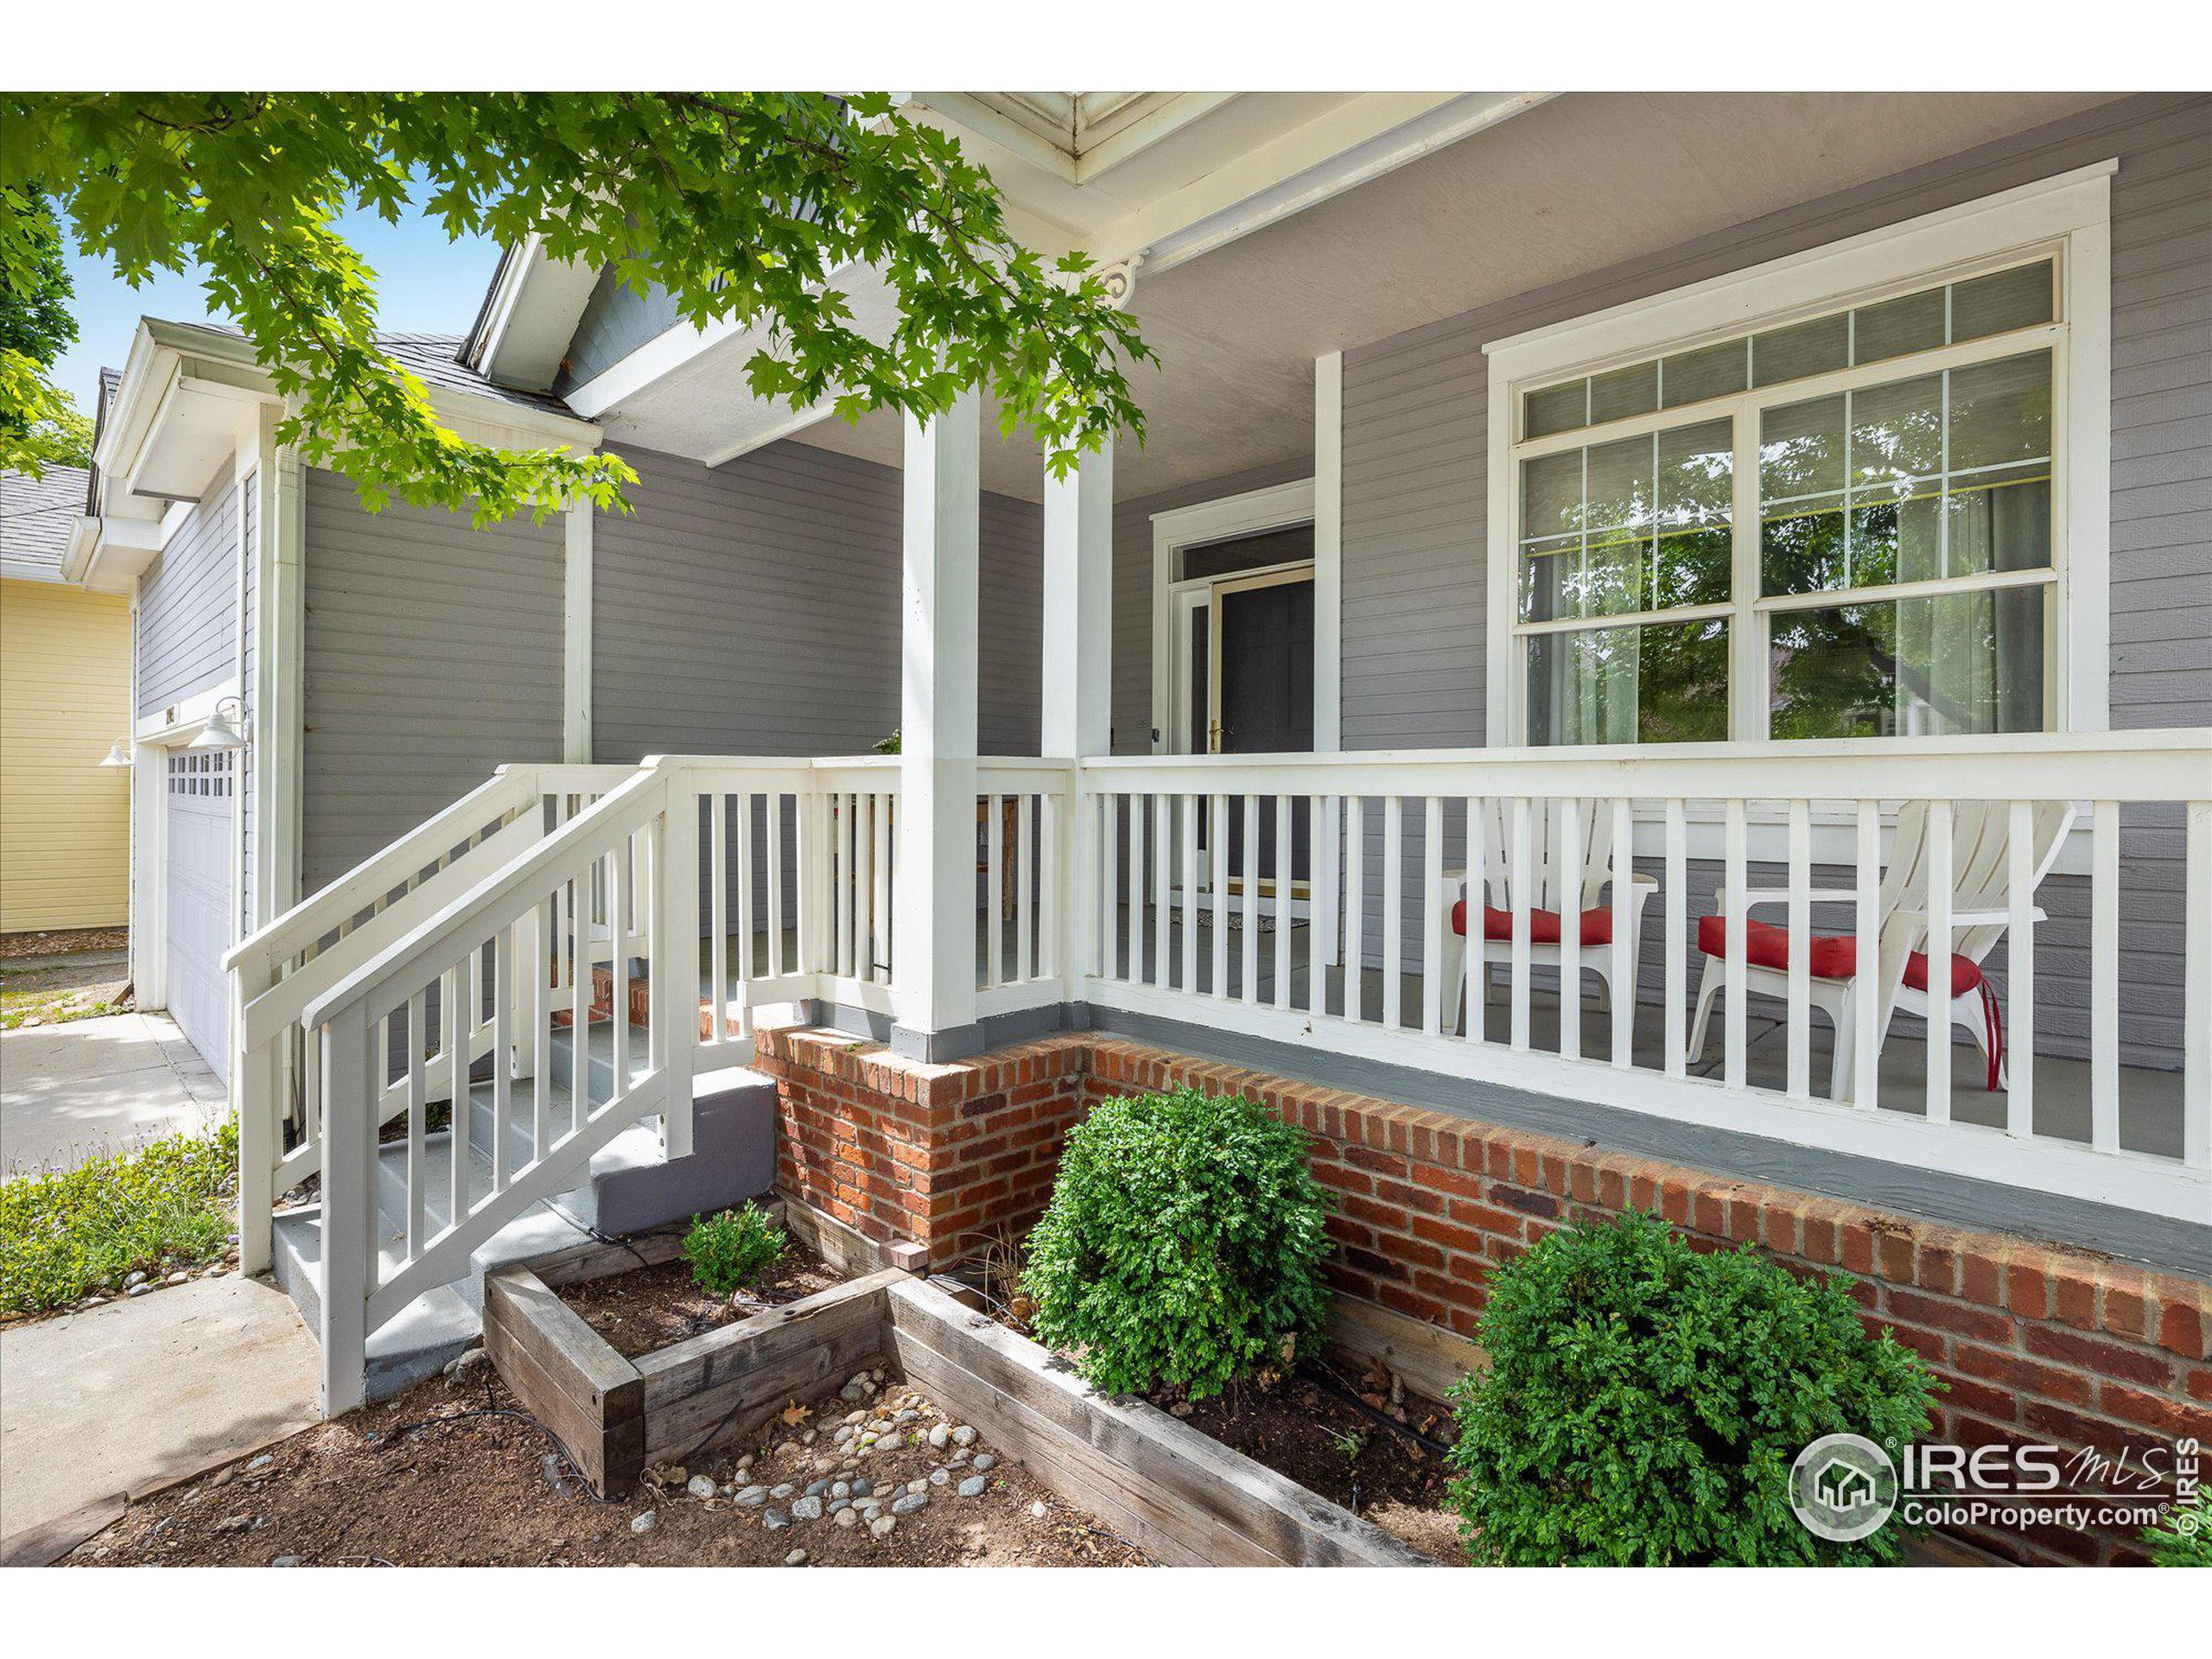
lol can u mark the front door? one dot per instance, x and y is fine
(1259, 673)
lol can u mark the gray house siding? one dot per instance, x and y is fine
(433, 655)
(753, 609)
(1414, 494)
(188, 605)
(615, 322)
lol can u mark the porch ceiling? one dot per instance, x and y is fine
(1579, 184)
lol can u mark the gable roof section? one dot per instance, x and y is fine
(436, 358)
(36, 516)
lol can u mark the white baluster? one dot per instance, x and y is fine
(1475, 896)
(1283, 873)
(417, 1123)
(1163, 879)
(1625, 914)
(2020, 969)
(1517, 897)
(1218, 872)
(1676, 899)
(1432, 916)
(1939, 962)
(1394, 908)
(1567, 896)
(2104, 978)
(1250, 877)
(2196, 993)
(1735, 1057)
(1867, 991)
(1025, 875)
(1355, 950)
(1800, 912)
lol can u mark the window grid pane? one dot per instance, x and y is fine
(1975, 308)
(1940, 475)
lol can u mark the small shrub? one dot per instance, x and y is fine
(70, 1233)
(1644, 1403)
(731, 1249)
(2184, 1537)
(1183, 1247)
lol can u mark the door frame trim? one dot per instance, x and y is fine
(1250, 513)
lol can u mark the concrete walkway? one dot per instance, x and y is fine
(71, 1091)
(103, 1402)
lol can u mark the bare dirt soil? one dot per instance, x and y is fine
(646, 1308)
(429, 1479)
(1330, 1447)
(62, 942)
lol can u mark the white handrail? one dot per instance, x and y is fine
(602, 823)
(505, 789)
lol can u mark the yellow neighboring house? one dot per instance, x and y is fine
(65, 698)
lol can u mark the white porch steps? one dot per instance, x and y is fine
(630, 1186)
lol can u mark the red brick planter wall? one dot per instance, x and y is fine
(2036, 1343)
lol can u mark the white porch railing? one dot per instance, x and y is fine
(1301, 900)
(278, 969)
(1382, 832)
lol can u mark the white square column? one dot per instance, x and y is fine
(1076, 704)
(1078, 633)
(933, 935)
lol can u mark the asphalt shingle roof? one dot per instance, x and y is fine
(36, 515)
(435, 359)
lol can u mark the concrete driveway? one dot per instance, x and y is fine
(103, 1402)
(71, 1091)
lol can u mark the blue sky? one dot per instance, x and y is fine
(425, 284)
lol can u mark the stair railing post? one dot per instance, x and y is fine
(261, 1094)
(349, 1213)
(675, 945)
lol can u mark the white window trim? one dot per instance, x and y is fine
(1250, 514)
(2071, 215)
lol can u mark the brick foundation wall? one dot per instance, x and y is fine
(2034, 1343)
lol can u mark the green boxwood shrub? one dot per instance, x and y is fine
(732, 1248)
(1183, 1247)
(1645, 1403)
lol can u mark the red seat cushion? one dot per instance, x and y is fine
(1832, 956)
(1543, 924)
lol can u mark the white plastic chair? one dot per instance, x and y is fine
(1551, 889)
(1980, 909)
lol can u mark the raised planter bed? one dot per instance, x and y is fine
(1170, 1489)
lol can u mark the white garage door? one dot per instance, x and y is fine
(200, 901)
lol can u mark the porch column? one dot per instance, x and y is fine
(934, 896)
(1078, 634)
(1077, 702)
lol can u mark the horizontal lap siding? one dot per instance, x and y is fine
(433, 656)
(188, 605)
(1415, 504)
(753, 608)
(615, 322)
(64, 695)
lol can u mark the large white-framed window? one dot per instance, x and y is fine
(1857, 493)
